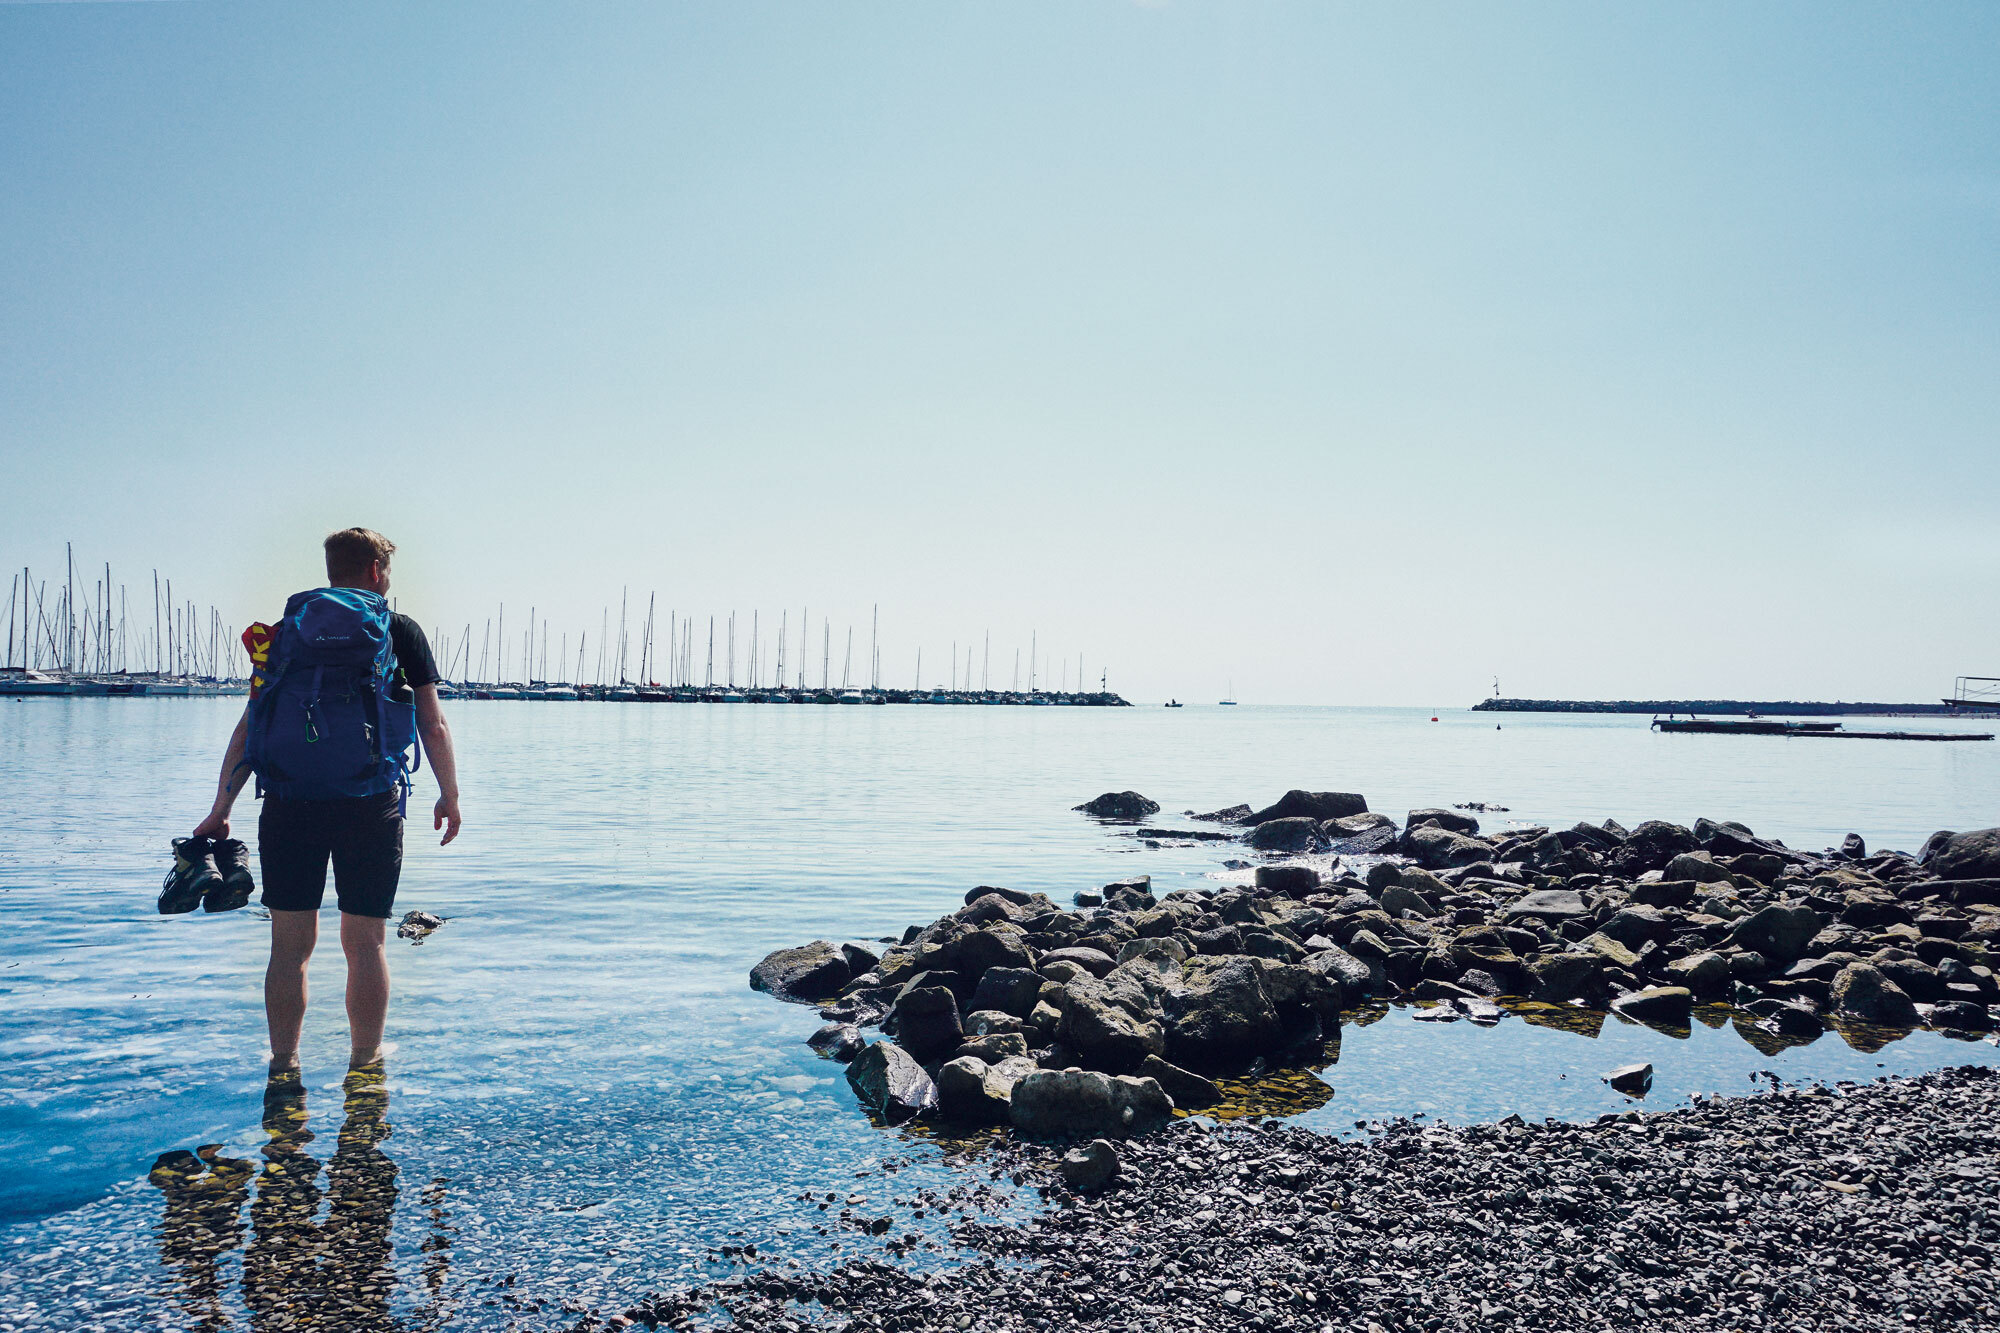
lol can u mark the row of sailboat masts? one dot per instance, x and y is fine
(687, 659)
(88, 630)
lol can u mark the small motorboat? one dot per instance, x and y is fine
(1173, 703)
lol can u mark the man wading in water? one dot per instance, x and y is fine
(348, 689)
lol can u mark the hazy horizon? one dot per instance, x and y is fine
(1325, 355)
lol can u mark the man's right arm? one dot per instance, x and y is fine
(229, 784)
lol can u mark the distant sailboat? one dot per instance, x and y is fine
(1229, 703)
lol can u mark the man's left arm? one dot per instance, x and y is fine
(437, 744)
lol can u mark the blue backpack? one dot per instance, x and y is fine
(327, 723)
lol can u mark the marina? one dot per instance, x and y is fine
(80, 640)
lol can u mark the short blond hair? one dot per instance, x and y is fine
(351, 551)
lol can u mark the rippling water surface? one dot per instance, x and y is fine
(583, 1097)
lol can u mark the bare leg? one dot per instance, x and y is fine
(293, 935)
(365, 941)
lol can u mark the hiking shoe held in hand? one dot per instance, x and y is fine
(193, 876)
(232, 862)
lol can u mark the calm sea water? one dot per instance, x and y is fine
(584, 1096)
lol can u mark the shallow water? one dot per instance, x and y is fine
(583, 1094)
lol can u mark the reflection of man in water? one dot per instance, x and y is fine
(283, 1230)
(300, 1271)
(337, 1274)
(358, 1270)
(204, 1221)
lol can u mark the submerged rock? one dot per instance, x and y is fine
(1444, 819)
(1974, 855)
(1120, 805)
(416, 927)
(1318, 806)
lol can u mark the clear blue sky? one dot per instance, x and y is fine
(1354, 353)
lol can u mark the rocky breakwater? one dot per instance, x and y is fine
(1100, 1018)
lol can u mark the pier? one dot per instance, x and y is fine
(1739, 707)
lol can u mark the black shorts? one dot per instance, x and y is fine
(362, 835)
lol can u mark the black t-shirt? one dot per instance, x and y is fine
(414, 662)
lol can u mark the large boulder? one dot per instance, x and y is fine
(924, 1021)
(1130, 895)
(1664, 892)
(999, 945)
(1633, 927)
(994, 906)
(1354, 826)
(805, 974)
(1561, 977)
(1697, 866)
(1094, 961)
(1435, 848)
(1219, 1013)
(1398, 899)
(1111, 1024)
(1727, 838)
(1120, 805)
(1084, 1104)
(1336, 966)
(1654, 843)
(1292, 834)
(1445, 819)
(1780, 931)
(1369, 842)
(1706, 974)
(1011, 990)
(1974, 855)
(1292, 879)
(1554, 905)
(1612, 951)
(969, 1088)
(1862, 993)
(891, 1083)
(1317, 806)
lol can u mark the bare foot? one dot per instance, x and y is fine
(362, 1059)
(287, 1063)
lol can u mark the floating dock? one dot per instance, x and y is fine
(1830, 730)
